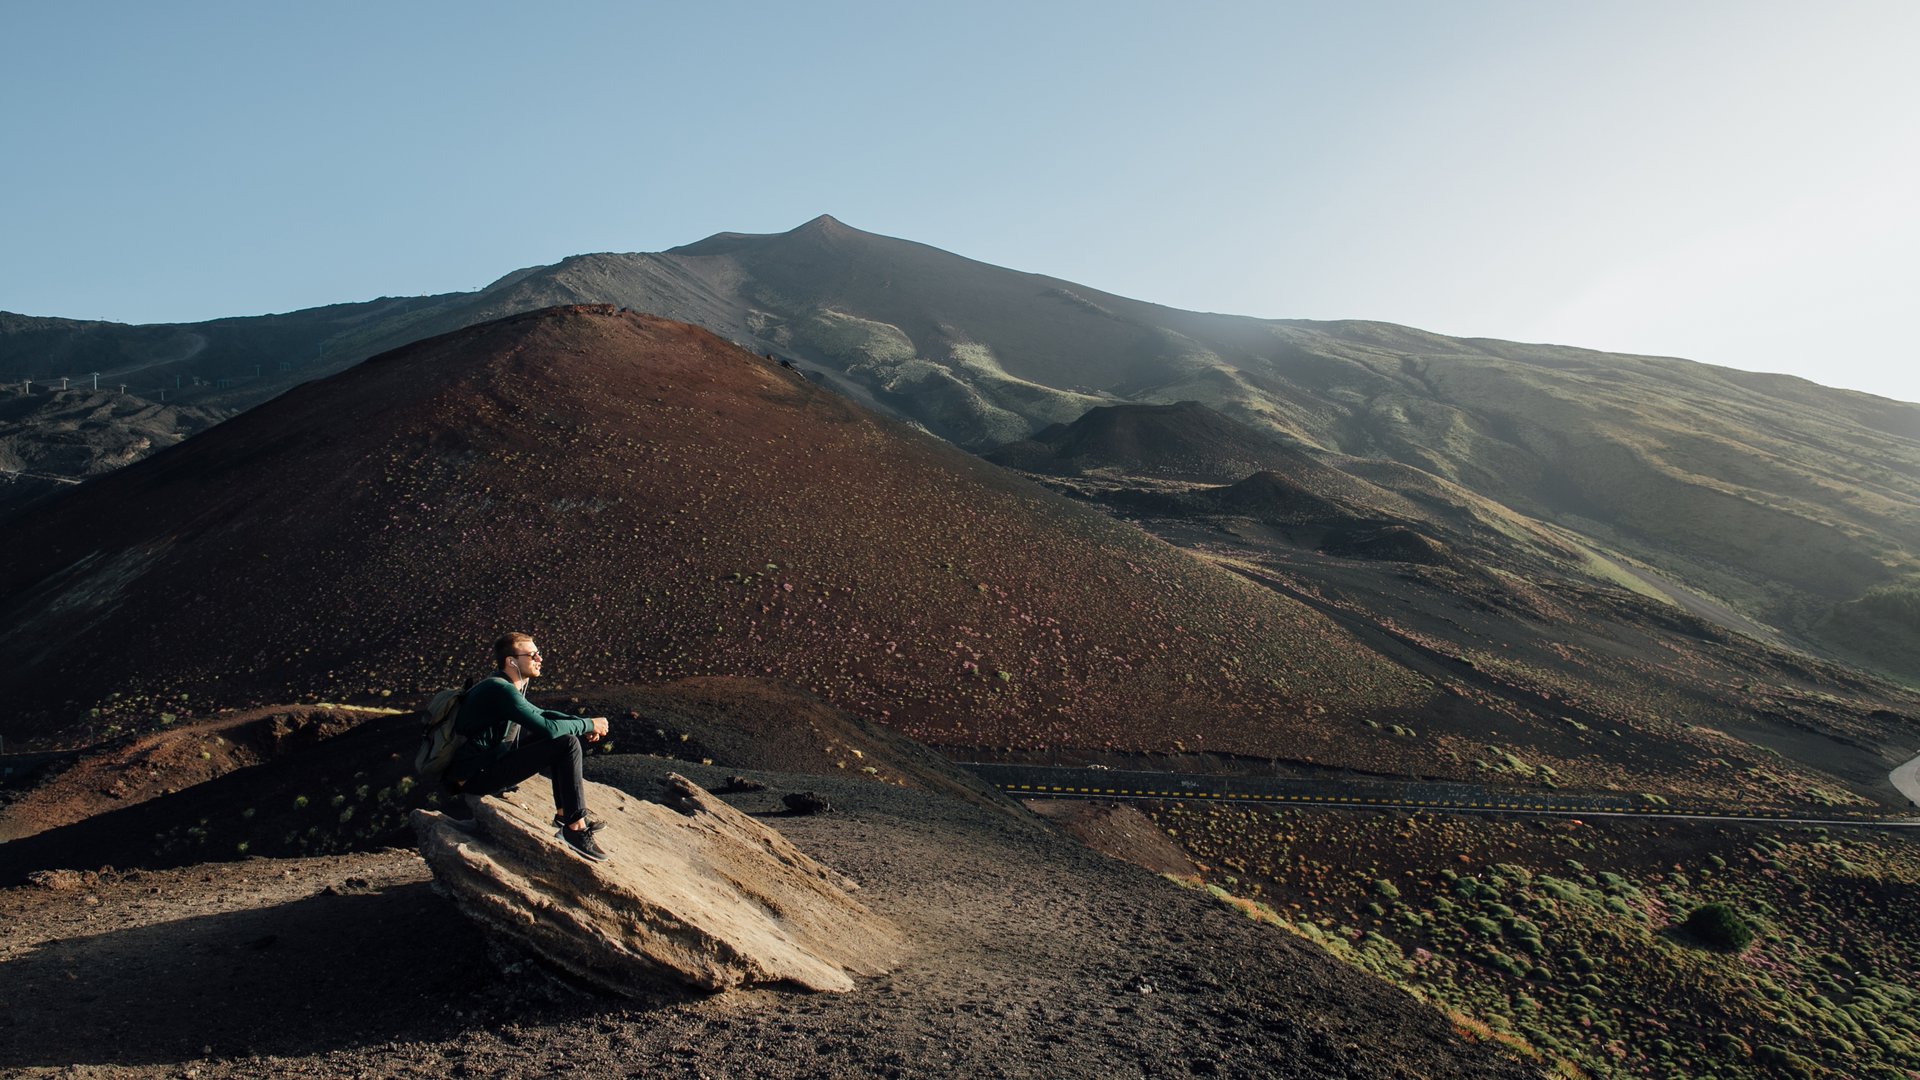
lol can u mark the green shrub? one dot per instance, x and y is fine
(1785, 1062)
(1720, 927)
(1897, 602)
(1472, 888)
(1505, 963)
(1558, 889)
(1514, 872)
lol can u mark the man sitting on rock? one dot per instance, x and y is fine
(508, 740)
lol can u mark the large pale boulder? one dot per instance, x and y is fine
(693, 890)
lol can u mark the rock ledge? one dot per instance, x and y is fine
(694, 890)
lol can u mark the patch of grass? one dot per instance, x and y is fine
(1583, 957)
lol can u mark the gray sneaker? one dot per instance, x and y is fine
(583, 844)
(593, 825)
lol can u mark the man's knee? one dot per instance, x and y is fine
(567, 748)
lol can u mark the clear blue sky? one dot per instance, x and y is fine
(1731, 181)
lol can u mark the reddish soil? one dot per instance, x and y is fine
(292, 781)
(138, 768)
(674, 506)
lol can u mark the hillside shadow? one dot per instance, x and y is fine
(280, 807)
(324, 973)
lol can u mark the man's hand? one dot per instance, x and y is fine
(599, 728)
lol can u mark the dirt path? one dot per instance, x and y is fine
(1030, 956)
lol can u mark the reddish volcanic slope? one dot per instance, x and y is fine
(651, 503)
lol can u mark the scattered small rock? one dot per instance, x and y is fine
(60, 880)
(736, 784)
(353, 886)
(807, 802)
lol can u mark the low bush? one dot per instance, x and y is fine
(1784, 1062)
(1720, 927)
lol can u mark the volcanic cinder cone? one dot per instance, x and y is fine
(649, 502)
(1185, 439)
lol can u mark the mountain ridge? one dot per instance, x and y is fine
(656, 504)
(680, 507)
(1720, 478)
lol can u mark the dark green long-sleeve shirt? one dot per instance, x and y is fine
(490, 717)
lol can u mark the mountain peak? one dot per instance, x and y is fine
(824, 226)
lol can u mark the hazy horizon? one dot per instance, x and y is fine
(1725, 182)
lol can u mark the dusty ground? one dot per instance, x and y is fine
(1119, 830)
(1031, 956)
(134, 769)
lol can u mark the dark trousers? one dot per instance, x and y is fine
(558, 759)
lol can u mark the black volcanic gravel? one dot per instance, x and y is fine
(1029, 956)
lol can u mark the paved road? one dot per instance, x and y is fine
(1039, 781)
(12, 475)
